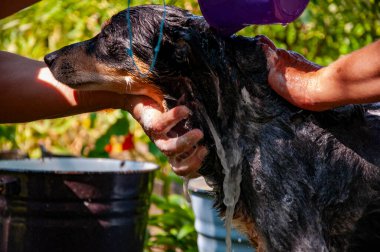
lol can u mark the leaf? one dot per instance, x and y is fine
(185, 230)
(120, 128)
(93, 117)
(161, 158)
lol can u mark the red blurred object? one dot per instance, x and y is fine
(108, 148)
(128, 142)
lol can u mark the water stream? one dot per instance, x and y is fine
(232, 170)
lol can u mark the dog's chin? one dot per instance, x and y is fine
(90, 86)
(122, 84)
(119, 88)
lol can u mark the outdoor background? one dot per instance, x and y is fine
(325, 31)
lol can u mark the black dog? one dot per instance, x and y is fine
(310, 181)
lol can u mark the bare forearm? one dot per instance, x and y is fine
(354, 78)
(9, 7)
(29, 92)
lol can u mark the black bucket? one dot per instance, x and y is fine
(74, 204)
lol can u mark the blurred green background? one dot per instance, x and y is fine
(325, 31)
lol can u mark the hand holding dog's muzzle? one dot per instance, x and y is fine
(184, 153)
(185, 156)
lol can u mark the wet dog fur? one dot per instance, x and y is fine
(310, 180)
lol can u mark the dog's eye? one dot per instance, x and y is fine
(113, 50)
(103, 35)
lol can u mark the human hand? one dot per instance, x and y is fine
(294, 77)
(184, 153)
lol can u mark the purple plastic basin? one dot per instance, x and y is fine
(230, 16)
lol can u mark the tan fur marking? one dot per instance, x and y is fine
(102, 77)
(246, 225)
(144, 68)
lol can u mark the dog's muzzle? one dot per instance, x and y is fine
(50, 58)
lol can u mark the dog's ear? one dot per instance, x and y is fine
(187, 50)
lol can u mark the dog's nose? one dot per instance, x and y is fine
(49, 59)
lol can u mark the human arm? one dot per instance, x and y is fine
(352, 79)
(30, 92)
(9, 7)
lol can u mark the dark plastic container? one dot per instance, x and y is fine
(74, 204)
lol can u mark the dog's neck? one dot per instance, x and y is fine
(226, 88)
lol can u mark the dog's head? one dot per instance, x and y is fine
(103, 62)
(190, 52)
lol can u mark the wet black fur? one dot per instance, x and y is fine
(310, 180)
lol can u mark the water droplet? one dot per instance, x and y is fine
(258, 185)
(228, 201)
(258, 221)
(288, 199)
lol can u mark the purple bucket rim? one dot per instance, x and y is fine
(77, 166)
(228, 17)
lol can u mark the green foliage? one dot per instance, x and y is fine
(8, 136)
(50, 25)
(119, 128)
(175, 224)
(327, 29)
